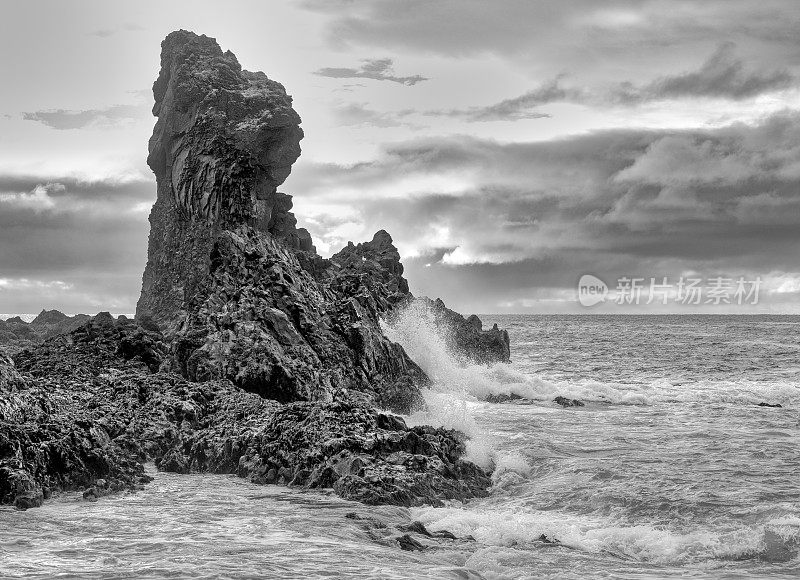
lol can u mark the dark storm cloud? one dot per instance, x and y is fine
(619, 52)
(580, 29)
(63, 120)
(90, 236)
(655, 203)
(375, 69)
(722, 75)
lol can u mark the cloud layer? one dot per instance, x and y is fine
(81, 245)
(538, 215)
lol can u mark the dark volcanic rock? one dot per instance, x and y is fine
(406, 542)
(565, 402)
(237, 287)
(273, 329)
(225, 139)
(465, 336)
(503, 397)
(250, 354)
(9, 377)
(16, 334)
(86, 414)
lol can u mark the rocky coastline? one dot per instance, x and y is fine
(250, 354)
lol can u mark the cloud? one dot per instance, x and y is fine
(615, 52)
(516, 108)
(580, 32)
(375, 69)
(509, 219)
(64, 120)
(92, 236)
(723, 75)
(37, 199)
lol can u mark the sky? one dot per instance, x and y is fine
(509, 147)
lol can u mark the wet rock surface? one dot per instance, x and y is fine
(567, 402)
(86, 409)
(503, 397)
(466, 337)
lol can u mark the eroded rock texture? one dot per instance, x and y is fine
(236, 286)
(224, 141)
(83, 411)
(16, 334)
(466, 337)
(250, 353)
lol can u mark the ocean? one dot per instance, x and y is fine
(670, 469)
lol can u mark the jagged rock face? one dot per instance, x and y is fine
(16, 334)
(86, 409)
(272, 328)
(9, 377)
(466, 337)
(234, 283)
(380, 251)
(225, 139)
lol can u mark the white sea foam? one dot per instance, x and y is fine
(775, 541)
(426, 344)
(415, 330)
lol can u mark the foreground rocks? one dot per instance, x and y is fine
(84, 411)
(250, 353)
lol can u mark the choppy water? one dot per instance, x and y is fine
(671, 469)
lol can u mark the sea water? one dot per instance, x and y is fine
(671, 469)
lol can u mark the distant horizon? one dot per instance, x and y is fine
(481, 315)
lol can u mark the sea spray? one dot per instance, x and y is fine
(426, 343)
(457, 390)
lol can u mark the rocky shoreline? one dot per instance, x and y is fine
(250, 353)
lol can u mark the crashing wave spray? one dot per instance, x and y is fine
(458, 386)
(427, 344)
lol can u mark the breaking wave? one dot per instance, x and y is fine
(451, 374)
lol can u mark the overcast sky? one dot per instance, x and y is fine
(509, 146)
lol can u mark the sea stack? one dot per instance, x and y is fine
(231, 280)
(250, 353)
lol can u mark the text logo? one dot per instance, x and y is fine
(591, 290)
